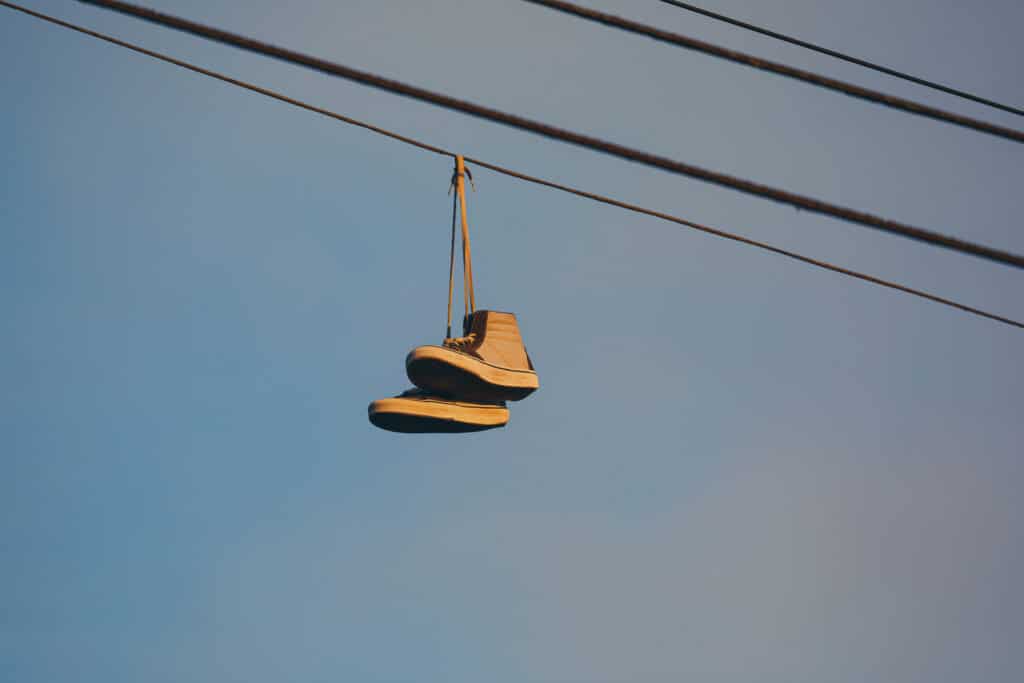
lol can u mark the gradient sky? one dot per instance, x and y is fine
(737, 468)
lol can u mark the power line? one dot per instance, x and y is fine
(744, 240)
(571, 137)
(845, 57)
(773, 67)
(516, 174)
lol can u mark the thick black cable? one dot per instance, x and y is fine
(844, 57)
(521, 176)
(555, 133)
(773, 67)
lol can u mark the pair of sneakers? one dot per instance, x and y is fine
(462, 385)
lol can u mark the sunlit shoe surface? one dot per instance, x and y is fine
(418, 412)
(489, 364)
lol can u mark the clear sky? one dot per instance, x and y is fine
(737, 468)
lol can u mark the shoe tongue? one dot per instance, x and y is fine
(467, 323)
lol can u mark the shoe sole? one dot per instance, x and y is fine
(419, 416)
(443, 371)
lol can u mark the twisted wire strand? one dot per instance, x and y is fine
(845, 57)
(571, 137)
(519, 175)
(834, 84)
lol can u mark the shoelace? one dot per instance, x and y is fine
(459, 201)
(459, 343)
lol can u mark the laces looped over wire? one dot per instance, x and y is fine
(459, 206)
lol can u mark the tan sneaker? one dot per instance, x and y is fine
(489, 364)
(417, 412)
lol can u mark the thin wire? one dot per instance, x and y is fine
(743, 240)
(571, 137)
(845, 57)
(523, 176)
(819, 80)
(226, 79)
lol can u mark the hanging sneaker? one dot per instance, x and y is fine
(489, 364)
(417, 412)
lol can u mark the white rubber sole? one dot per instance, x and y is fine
(446, 371)
(426, 415)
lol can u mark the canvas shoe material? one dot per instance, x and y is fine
(489, 364)
(418, 412)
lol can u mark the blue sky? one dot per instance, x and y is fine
(737, 468)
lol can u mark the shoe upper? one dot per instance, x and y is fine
(494, 337)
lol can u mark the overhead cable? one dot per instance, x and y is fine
(516, 174)
(571, 137)
(844, 57)
(773, 67)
